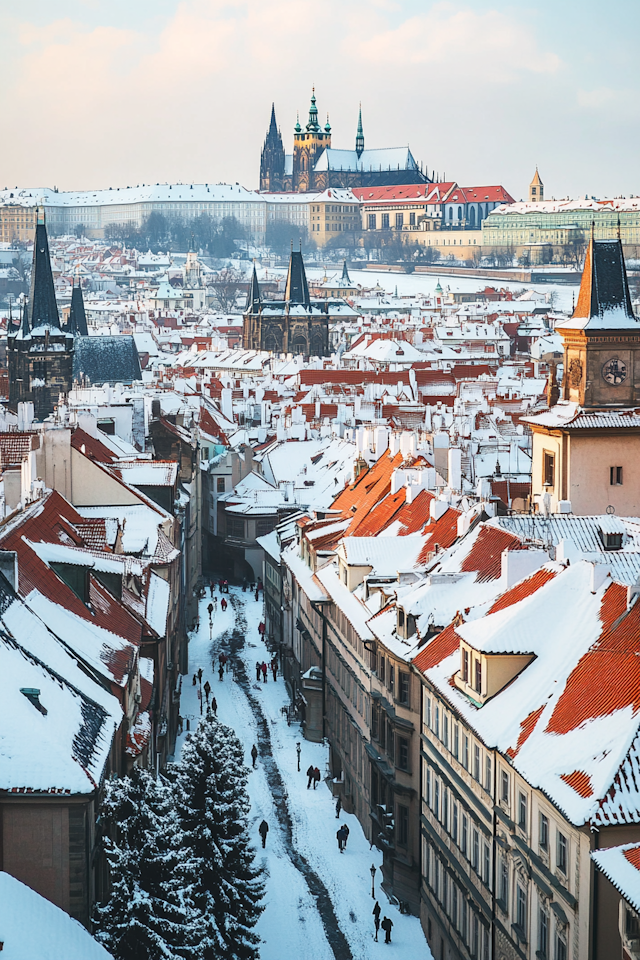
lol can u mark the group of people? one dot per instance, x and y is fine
(313, 776)
(342, 836)
(197, 681)
(262, 668)
(386, 924)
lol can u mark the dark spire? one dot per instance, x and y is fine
(25, 319)
(43, 308)
(273, 126)
(297, 289)
(254, 300)
(345, 273)
(604, 286)
(77, 317)
(272, 158)
(313, 126)
(359, 135)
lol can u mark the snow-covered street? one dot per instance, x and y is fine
(318, 902)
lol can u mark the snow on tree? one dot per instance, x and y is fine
(220, 882)
(144, 918)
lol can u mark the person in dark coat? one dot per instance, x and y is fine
(346, 834)
(341, 837)
(211, 588)
(310, 774)
(214, 705)
(257, 594)
(316, 777)
(263, 667)
(200, 675)
(207, 690)
(254, 754)
(376, 919)
(386, 926)
(258, 669)
(263, 830)
(274, 669)
(223, 604)
(338, 807)
(221, 672)
(195, 680)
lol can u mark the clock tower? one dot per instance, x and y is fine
(602, 338)
(586, 447)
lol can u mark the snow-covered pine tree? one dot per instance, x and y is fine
(143, 918)
(220, 881)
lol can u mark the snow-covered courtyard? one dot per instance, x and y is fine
(318, 902)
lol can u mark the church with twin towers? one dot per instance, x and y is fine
(315, 165)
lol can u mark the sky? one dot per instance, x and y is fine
(98, 94)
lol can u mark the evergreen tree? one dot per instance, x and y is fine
(144, 918)
(216, 871)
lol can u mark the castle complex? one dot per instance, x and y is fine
(315, 165)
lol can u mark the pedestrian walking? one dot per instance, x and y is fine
(221, 672)
(207, 691)
(338, 807)
(195, 680)
(346, 834)
(197, 623)
(257, 594)
(223, 604)
(263, 667)
(210, 611)
(386, 926)
(376, 919)
(254, 755)
(211, 588)
(214, 705)
(274, 668)
(310, 774)
(316, 777)
(258, 669)
(200, 675)
(263, 830)
(261, 629)
(341, 837)
(260, 587)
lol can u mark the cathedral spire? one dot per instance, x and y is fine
(254, 300)
(43, 309)
(25, 319)
(273, 126)
(313, 126)
(359, 135)
(297, 288)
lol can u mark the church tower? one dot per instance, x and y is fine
(272, 158)
(308, 144)
(40, 354)
(536, 189)
(360, 135)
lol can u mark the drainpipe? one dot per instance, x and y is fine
(495, 857)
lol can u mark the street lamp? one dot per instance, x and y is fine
(373, 880)
(298, 751)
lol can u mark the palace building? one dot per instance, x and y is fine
(315, 165)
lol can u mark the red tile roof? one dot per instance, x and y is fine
(524, 589)
(438, 649)
(633, 856)
(91, 447)
(527, 727)
(485, 555)
(15, 446)
(579, 781)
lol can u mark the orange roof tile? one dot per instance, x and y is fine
(527, 727)
(579, 781)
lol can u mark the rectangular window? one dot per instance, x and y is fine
(454, 822)
(548, 469)
(561, 948)
(220, 482)
(465, 753)
(475, 851)
(561, 855)
(436, 728)
(428, 712)
(476, 762)
(475, 936)
(385, 221)
(391, 683)
(235, 528)
(465, 832)
(522, 812)
(504, 881)
(454, 906)
(505, 786)
(464, 666)
(436, 798)
(372, 221)
(429, 796)
(412, 219)
(382, 666)
(399, 221)
(544, 832)
(403, 753)
(404, 689)
(456, 740)
(478, 676)
(543, 934)
(487, 774)
(445, 808)
(263, 527)
(486, 863)
(615, 476)
(521, 908)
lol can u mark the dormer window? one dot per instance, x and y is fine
(483, 675)
(478, 675)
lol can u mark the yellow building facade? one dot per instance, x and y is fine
(17, 223)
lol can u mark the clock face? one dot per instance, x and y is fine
(614, 371)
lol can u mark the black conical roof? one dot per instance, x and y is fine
(77, 316)
(254, 300)
(43, 308)
(297, 289)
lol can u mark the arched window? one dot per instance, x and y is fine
(459, 213)
(450, 213)
(472, 216)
